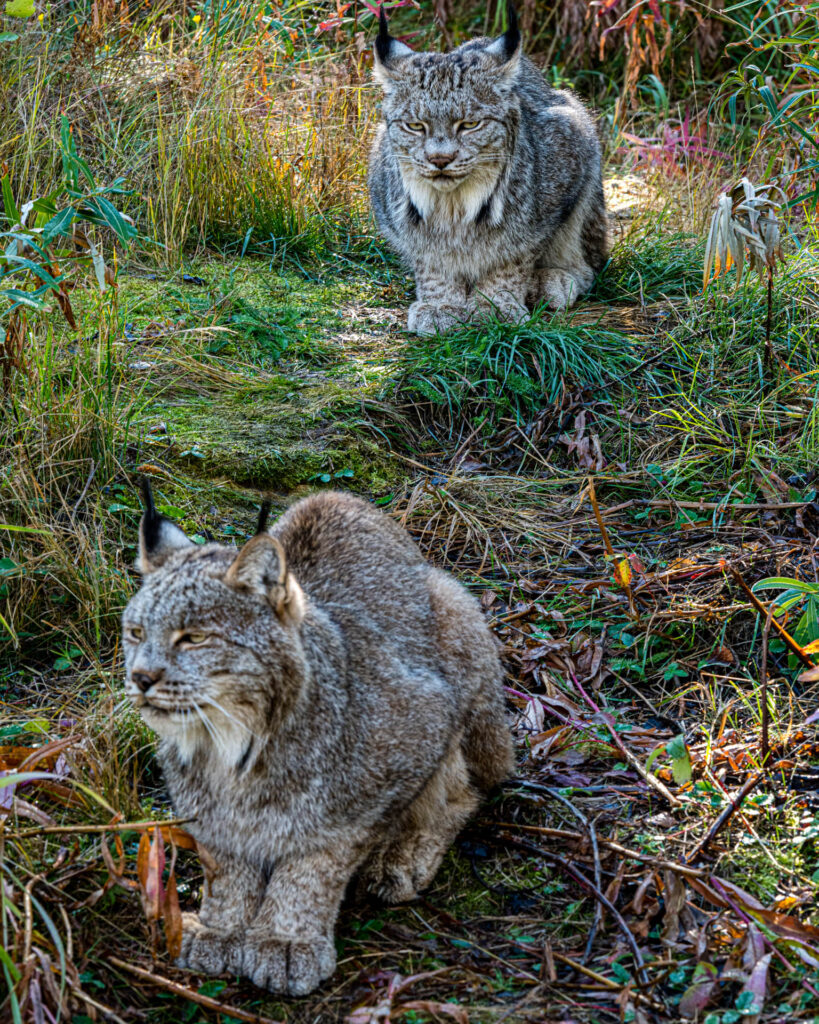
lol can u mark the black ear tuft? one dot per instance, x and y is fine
(264, 513)
(151, 519)
(383, 41)
(511, 37)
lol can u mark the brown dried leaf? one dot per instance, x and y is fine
(172, 917)
(150, 865)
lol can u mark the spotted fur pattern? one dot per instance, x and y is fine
(485, 180)
(327, 703)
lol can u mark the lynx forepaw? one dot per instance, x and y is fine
(392, 885)
(424, 318)
(285, 965)
(504, 306)
(561, 289)
(208, 950)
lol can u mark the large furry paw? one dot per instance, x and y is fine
(561, 289)
(505, 307)
(294, 967)
(424, 318)
(392, 885)
(208, 950)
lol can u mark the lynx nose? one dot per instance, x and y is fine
(442, 160)
(145, 680)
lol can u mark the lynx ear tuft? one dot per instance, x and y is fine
(507, 48)
(260, 568)
(388, 52)
(264, 515)
(158, 536)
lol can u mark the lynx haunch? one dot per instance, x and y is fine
(328, 704)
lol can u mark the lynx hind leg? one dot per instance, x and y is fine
(576, 255)
(408, 861)
(469, 658)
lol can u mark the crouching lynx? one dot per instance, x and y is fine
(486, 180)
(326, 703)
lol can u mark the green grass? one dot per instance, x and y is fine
(652, 265)
(496, 369)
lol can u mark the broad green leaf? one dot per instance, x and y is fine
(9, 206)
(786, 581)
(20, 298)
(37, 269)
(59, 224)
(103, 211)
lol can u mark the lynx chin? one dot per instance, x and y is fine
(485, 180)
(328, 705)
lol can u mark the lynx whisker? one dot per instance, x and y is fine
(220, 708)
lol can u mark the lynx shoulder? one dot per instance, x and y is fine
(485, 180)
(328, 705)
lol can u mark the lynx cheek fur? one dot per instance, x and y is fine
(327, 703)
(486, 180)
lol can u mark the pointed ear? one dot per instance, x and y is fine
(507, 49)
(260, 568)
(388, 53)
(158, 536)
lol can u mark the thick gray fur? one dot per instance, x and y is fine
(516, 215)
(327, 704)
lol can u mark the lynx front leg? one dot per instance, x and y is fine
(232, 894)
(289, 947)
(441, 302)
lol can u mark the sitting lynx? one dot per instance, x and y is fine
(486, 180)
(327, 703)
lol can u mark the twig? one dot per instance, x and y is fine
(82, 994)
(725, 816)
(85, 489)
(760, 607)
(579, 877)
(716, 506)
(610, 844)
(598, 881)
(603, 980)
(121, 826)
(187, 993)
(766, 750)
(650, 780)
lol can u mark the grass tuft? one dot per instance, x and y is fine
(497, 369)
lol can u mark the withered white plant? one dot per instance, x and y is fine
(744, 232)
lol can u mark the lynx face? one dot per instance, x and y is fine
(450, 118)
(209, 640)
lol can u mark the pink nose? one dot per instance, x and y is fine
(442, 159)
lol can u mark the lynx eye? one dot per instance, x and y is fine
(468, 126)
(191, 639)
(135, 634)
(414, 126)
